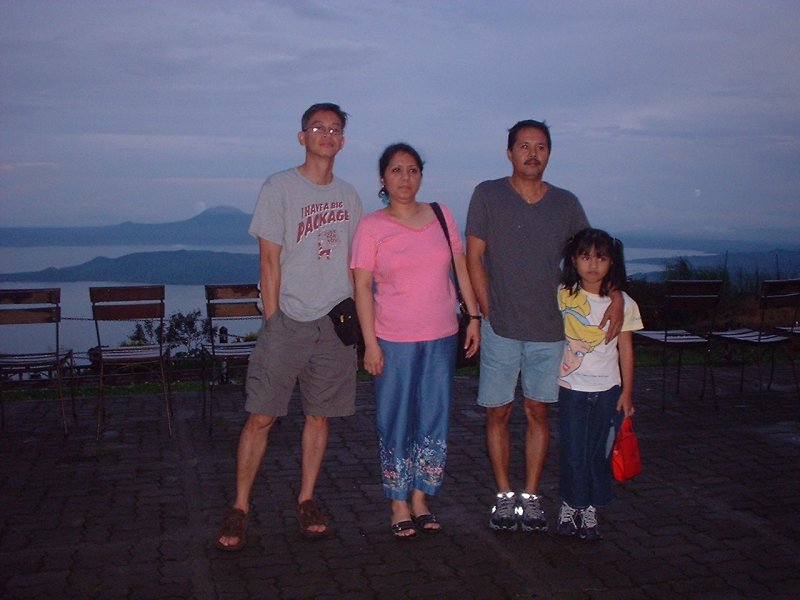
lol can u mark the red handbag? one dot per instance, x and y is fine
(626, 463)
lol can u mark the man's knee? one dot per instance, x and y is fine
(316, 423)
(536, 412)
(498, 415)
(259, 424)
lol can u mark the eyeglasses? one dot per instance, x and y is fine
(322, 129)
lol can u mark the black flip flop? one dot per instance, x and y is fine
(422, 523)
(402, 526)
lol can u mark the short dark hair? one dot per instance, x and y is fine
(603, 244)
(391, 150)
(323, 106)
(540, 125)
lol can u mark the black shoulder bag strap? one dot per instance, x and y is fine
(437, 210)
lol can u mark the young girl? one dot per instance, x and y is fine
(596, 379)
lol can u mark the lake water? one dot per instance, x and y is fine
(77, 328)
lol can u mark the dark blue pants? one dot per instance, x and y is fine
(586, 425)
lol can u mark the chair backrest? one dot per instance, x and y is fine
(234, 301)
(695, 299)
(28, 306)
(127, 303)
(124, 303)
(31, 307)
(779, 294)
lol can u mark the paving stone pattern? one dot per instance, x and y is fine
(134, 514)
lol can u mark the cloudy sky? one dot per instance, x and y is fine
(666, 116)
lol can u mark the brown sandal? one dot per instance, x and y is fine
(233, 525)
(310, 514)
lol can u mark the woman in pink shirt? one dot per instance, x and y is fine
(406, 305)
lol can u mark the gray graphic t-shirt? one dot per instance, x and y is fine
(314, 225)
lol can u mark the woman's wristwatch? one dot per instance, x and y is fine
(475, 317)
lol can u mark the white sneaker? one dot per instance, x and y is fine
(532, 516)
(589, 529)
(568, 519)
(504, 513)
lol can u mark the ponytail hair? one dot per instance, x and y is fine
(597, 240)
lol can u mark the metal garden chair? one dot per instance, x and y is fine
(688, 314)
(130, 303)
(226, 352)
(777, 297)
(35, 308)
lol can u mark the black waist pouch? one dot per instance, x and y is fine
(345, 322)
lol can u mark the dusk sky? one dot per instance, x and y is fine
(672, 117)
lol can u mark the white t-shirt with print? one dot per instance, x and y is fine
(589, 364)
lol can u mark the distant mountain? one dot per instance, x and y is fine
(225, 225)
(776, 264)
(198, 267)
(637, 239)
(181, 267)
(222, 225)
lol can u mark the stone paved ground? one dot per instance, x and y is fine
(133, 515)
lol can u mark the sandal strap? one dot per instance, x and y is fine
(234, 524)
(401, 526)
(310, 514)
(426, 519)
(427, 523)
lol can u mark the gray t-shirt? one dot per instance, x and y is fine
(524, 243)
(314, 225)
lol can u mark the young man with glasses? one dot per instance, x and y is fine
(304, 221)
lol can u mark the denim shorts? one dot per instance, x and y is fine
(502, 361)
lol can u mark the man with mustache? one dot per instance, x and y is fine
(517, 227)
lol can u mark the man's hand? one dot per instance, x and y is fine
(614, 315)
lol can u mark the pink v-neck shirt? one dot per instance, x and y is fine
(415, 299)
